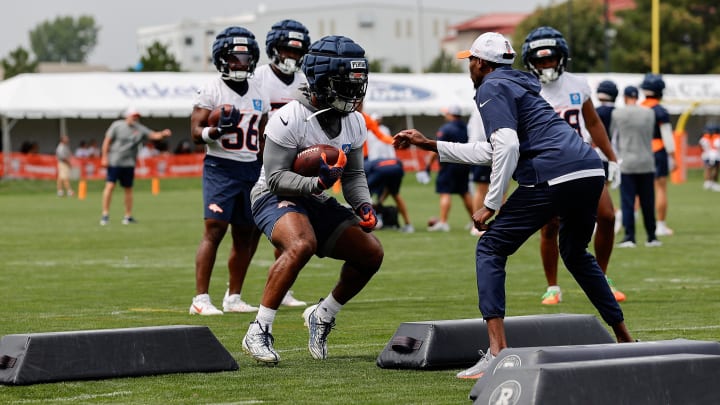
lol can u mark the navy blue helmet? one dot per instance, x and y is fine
(607, 90)
(337, 72)
(653, 85)
(235, 53)
(288, 34)
(545, 42)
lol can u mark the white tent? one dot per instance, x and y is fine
(169, 95)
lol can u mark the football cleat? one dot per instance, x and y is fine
(478, 370)
(233, 303)
(290, 301)
(318, 330)
(258, 343)
(201, 305)
(552, 296)
(619, 296)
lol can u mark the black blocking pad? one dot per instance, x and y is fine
(455, 343)
(108, 353)
(535, 356)
(683, 379)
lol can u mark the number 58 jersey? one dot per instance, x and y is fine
(244, 145)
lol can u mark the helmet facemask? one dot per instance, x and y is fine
(238, 66)
(346, 94)
(287, 60)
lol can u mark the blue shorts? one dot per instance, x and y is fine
(661, 163)
(481, 174)
(125, 175)
(384, 174)
(328, 218)
(226, 189)
(452, 179)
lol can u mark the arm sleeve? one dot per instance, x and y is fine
(475, 153)
(506, 147)
(354, 183)
(281, 180)
(667, 137)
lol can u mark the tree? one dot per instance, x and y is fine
(444, 63)
(689, 38)
(65, 39)
(157, 59)
(584, 31)
(18, 61)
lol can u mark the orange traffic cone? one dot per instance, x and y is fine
(155, 186)
(82, 190)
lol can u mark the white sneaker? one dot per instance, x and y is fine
(653, 243)
(258, 343)
(626, 244)
(318, 332)
(233, 303)
(439, 227)
(715, 187)
(408, 228)
(662, 229)
(201, 305)
(290, 301)
(479, 368)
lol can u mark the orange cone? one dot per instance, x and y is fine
(82, 190)
(155, 186)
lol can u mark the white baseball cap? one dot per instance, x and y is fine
(492, 47)
(452, 110)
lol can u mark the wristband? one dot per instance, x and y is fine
(206, 135)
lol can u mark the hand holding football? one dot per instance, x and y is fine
(225, 118)
(307, 162)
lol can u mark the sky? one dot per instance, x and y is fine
(119, 20)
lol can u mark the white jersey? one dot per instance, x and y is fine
(290, 128)
(277, 91)
(567, 95)
(244, 145)
(378, 149)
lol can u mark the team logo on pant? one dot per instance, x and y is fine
(285, 204)
(215, 208)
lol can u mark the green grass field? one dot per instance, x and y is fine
(61, 271)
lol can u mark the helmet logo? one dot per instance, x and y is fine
(240, 48)
(358, 64)
(296, 35)
(544, 53)
(543, 42)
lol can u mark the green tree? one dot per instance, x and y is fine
(64, 39)
(582, 25)
(376, 66)
(689, 38)
(157, 59)
(400, 69)
(17, 62)
(444, 63)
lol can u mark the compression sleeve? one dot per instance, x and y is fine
(475, 153)
(506, 147)
(667, 137)
(354, 182)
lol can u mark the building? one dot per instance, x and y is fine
(393, 35)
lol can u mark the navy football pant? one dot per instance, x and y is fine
(524, 213)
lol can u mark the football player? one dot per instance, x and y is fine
(285, 44)
(294, 211)
(663, 146)
(545, 53)
(232, 165)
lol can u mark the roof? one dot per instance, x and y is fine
(503, 23)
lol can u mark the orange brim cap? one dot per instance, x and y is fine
(463, 54)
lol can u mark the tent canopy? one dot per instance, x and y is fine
(167, 94)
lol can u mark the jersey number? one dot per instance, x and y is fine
(243, 139)
(572, 117)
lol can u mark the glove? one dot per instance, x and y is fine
(227, 124)
(368, 217)
(613, 174)
(328, 175)
(423, 177)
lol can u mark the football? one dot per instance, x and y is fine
(307, 162)
(214, 117)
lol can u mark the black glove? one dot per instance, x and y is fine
(228, 121)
